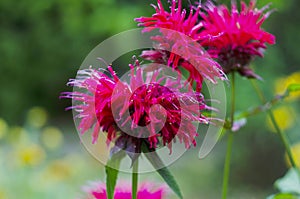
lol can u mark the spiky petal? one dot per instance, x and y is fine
(177, 45)
(106, 103)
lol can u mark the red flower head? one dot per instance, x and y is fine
(151, 108)
(176, 44)
(235, 38)
(97, 190)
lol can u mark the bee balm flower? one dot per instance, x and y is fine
(177, 44)
(235, 38)
(152, 108)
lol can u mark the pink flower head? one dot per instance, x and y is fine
(235, 38)
(151, 108)
(176, 44)
(97, 190)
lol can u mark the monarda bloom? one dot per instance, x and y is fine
(97, 190)
(177, 44)
(151, 108)
(235, 38)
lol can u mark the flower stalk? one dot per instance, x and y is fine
(229, 142)
(227, 165)
(281, 134)
(135, 168)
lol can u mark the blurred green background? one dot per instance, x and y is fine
(42, 45)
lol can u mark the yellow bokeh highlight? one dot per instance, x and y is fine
(31, 155)
(3, 128)
(2, 194)
(17, 135)
(52, 137)
(284, 117)
(281, 85)
(37, 117)
(58, 170)
(296, 155)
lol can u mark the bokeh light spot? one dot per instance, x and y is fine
(52, 138)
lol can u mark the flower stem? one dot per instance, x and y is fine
(227, 165)
(135, 178)
(229, 142)
(232, 99)
(281, 134)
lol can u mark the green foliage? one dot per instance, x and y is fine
(284, 196)
(290, 183)
(111, 170)
(163, 171)
(293, 88)
(289, 186)
(42, 44)
(34, 162)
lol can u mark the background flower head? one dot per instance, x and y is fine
(97, 190)
(236, 37)
(177, 44)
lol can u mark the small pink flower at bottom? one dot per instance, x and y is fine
(97, 190)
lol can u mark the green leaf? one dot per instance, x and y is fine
(163, 171)
(111, 170)
(289, 186)
(284, 196)
(293, 87)
(290, 183)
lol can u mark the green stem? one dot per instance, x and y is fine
(232, 99)
(135, 178)
(229, 143)
(281, 134)
(227, 165)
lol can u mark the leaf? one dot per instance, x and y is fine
(290, 183)
(293, 87)
(163, 171)
(111, 170)
(284, 196)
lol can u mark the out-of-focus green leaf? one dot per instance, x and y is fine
(293, 87)
(284, 196)
(290, 183)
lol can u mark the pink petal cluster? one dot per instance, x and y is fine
(235, 37)
(177, 19)
(93, 103)
(97, 190)
(173, 48)
(106, 103)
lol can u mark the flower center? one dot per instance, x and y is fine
(234, 58)
(153, 103)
